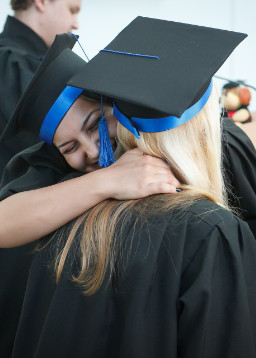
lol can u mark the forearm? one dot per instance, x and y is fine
(28, 216)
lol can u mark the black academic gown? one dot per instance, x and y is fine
(15, 262)
(239, 163)
(184, 287)
(36, 167)
(21, 51)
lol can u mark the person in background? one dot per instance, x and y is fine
(162, 276)
(23, 43)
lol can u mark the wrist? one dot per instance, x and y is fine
(102, 185)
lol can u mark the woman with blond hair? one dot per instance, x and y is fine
(162, 276)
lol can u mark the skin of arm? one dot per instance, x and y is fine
(30, 215)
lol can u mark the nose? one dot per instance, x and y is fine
(75, 24)
(91, 150)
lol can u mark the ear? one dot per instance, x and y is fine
(40, 5)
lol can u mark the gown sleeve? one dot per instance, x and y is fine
(239, 161)
(16, 71)
(38, 166)
(217, 295)
(34, 168)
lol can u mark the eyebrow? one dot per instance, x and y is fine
(82, 127)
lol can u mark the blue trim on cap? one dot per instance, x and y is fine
(153, 125)
(57, 112)
(130, 54)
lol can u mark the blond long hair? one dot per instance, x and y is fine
(193, 151)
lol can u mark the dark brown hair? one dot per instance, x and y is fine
(21, 4)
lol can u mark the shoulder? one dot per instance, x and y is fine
(202, 227)
(236, 141)
(209, 214)
(204, 217)
(180, 229)
(177, 242)
(15, 57)
(40, 154)
(196, 223)
(239, 164)
(208, 230)
(35, 167)
(12, 52)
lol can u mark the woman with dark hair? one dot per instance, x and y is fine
(27, 214)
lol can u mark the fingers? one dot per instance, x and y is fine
(136, 175)
(150, 167)
(156, 162)
(137, 158)
(159, 188)
(158, 183)
(166, 177)
(137, 154)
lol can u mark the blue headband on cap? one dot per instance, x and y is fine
(58, 110)
(152, 125)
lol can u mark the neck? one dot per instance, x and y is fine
(31, 18)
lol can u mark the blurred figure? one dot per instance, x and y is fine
(24, 41)
(235, 100)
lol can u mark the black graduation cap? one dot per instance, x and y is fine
(157, 69)
(231, 84)
(37, 110)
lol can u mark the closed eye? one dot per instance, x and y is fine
(71, 149)
(95, 125)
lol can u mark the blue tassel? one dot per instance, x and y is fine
(106, 157)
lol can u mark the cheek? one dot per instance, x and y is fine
(76, 160)
(63, 21)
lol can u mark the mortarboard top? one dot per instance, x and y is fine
(47, 84)
(177, 76)
(231, 84)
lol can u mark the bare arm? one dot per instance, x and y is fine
(28, 216)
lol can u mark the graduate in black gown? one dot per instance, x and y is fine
(164, 276)
(51, 207)
(21, 51)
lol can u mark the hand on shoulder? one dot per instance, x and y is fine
(135, 175)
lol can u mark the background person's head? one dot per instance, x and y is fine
(48, 17)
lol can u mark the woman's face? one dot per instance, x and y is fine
(77, 135)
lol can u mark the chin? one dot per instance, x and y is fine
(91, 168)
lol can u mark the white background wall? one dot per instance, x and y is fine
(101, 20)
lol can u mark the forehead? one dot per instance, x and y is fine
(74, 118)
(82, 107)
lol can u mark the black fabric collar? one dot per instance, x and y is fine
(16, 33)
